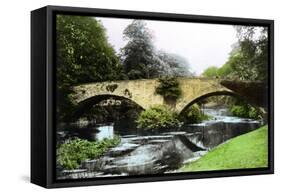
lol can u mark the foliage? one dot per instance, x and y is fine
(193, 115)
(158, 117)
(172, 65)
(126, 112)
(169, 87)
(245, 111)
(249, 60)
(211, 72)
(246, 151)
(221, 72)
(220, 100)
(141, 60)
(137, 55)
(225, 71)
(239, 111)
(83, 55)
(71, 153)
(253, 113)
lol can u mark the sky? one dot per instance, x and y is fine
(202, 45)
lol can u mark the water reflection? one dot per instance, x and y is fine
(104, 132)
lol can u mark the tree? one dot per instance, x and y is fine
(250, 60)
(222, 72)
(211, 72)
(83, 55)
(138, 53)
(141, 60)
(225, 71)
(173, 65)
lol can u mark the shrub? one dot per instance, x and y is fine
(239, 111)
(169, 88)
(158, 117)
(193, 115)
(245, 111)
(71, 153)
(253, 113)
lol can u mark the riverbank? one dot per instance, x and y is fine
(246, 151)
(71, 153)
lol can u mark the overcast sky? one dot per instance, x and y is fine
(203, 45)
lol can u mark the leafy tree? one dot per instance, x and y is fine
(211, 72)
(138, 53)
(141, 60)
(225, 71)
(173, 65)
(83, 55)
(219, 72)
(250, 59)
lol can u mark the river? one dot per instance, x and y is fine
(153, 152)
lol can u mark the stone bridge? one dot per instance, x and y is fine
(142, 91)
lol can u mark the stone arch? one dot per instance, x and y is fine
(87, 103)
(140, 91)
(210, 94)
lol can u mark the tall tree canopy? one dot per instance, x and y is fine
(250, 59)
(138, 53)
(83, 52)
(142, 60)
(219, 72)
(83, 55)
(211, 72)
(173, 65)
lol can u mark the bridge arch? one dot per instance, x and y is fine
(142, 91)
(86, 104)
(216, 93)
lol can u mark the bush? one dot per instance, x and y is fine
(71, 153)
(158, 117)
(253, 113)
(169, 88)
(239, 111)
(245, 111)
(193, 115)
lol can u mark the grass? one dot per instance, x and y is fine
(245, 151)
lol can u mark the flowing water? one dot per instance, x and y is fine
(154, 152)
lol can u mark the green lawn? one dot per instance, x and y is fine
(246, 151)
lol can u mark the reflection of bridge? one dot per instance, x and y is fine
(142, 92)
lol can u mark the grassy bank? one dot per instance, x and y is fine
(246, 151)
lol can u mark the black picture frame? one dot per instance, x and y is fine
(43, 99)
